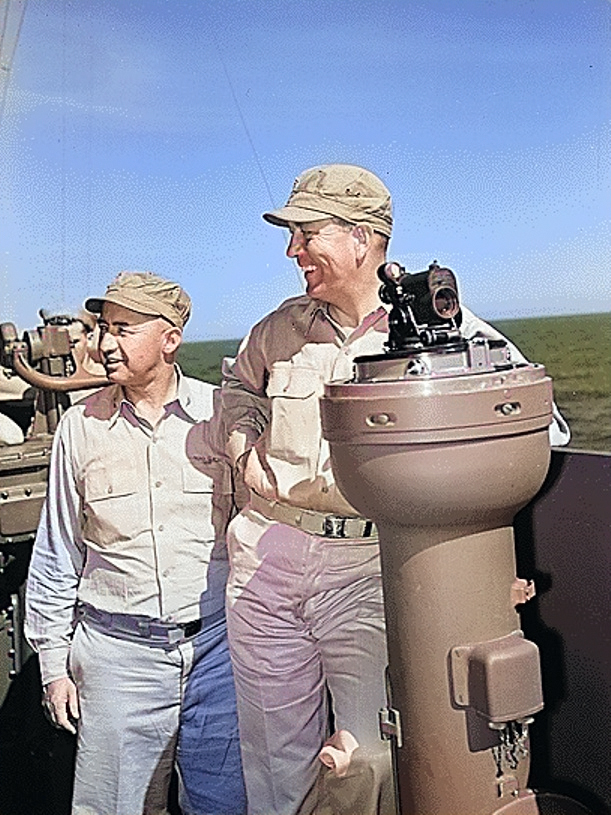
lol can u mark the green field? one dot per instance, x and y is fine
(203, 359)
(576, 351)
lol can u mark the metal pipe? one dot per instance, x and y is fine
(80, 380)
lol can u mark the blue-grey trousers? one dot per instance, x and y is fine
(144, 708)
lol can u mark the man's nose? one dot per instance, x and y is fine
(295, 245)
(107, 342)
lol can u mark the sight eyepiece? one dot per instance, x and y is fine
(425, 305)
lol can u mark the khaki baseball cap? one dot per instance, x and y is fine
(146, 293)
(337, 190)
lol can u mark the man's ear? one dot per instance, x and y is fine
(171, 341)
(362, 234)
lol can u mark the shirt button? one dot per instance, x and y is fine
(325, 489)
(160, 527)
(157, 483)
(165, 572)
(109, 490)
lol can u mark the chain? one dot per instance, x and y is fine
(513, 744)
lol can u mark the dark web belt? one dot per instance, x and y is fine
(145, 630)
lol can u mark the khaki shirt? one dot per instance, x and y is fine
(134, 516)
(271, 392)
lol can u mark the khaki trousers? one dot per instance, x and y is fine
(306, 624)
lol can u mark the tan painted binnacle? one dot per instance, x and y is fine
(442, 466)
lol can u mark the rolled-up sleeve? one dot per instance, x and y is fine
(245, 403)
(55, 568)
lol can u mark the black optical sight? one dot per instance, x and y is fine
(425, 307)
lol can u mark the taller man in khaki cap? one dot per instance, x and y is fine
(306, 621)
(125, 595)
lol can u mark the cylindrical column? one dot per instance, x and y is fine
(451, 594)
(442, 465)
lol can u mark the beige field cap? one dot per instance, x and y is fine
(146, 293)
(337, 190)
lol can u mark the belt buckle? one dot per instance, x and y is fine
(157, 631)
(192, 628)
(334, 526)
(175, 635)
(144, 628)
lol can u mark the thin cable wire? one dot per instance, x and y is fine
(7, 54)
(243, 120)
(63, 201)
(250, 140)
(4, 24)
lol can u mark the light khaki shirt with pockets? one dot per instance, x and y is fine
(134, 516)
(271, 392)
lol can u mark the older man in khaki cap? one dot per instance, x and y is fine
(306, 619)
(126, 590)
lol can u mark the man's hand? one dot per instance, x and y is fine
(248, 465)
(60, 701)
(257, 477)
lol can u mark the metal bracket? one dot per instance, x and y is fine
(522, 591)
(389, 720)
(507, 785)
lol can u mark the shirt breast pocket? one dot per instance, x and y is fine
(295, 427)
(101, 483)
(112, 509)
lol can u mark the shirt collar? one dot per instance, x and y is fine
(186, 405)
(306, 318)
(376, 320)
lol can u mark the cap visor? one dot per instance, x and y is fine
(94, 305)
(295, 215)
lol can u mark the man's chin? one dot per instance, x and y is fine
(114, 375)
(314, 293)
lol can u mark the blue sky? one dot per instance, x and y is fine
(152, 134)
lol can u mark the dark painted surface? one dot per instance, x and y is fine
(563, 541)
